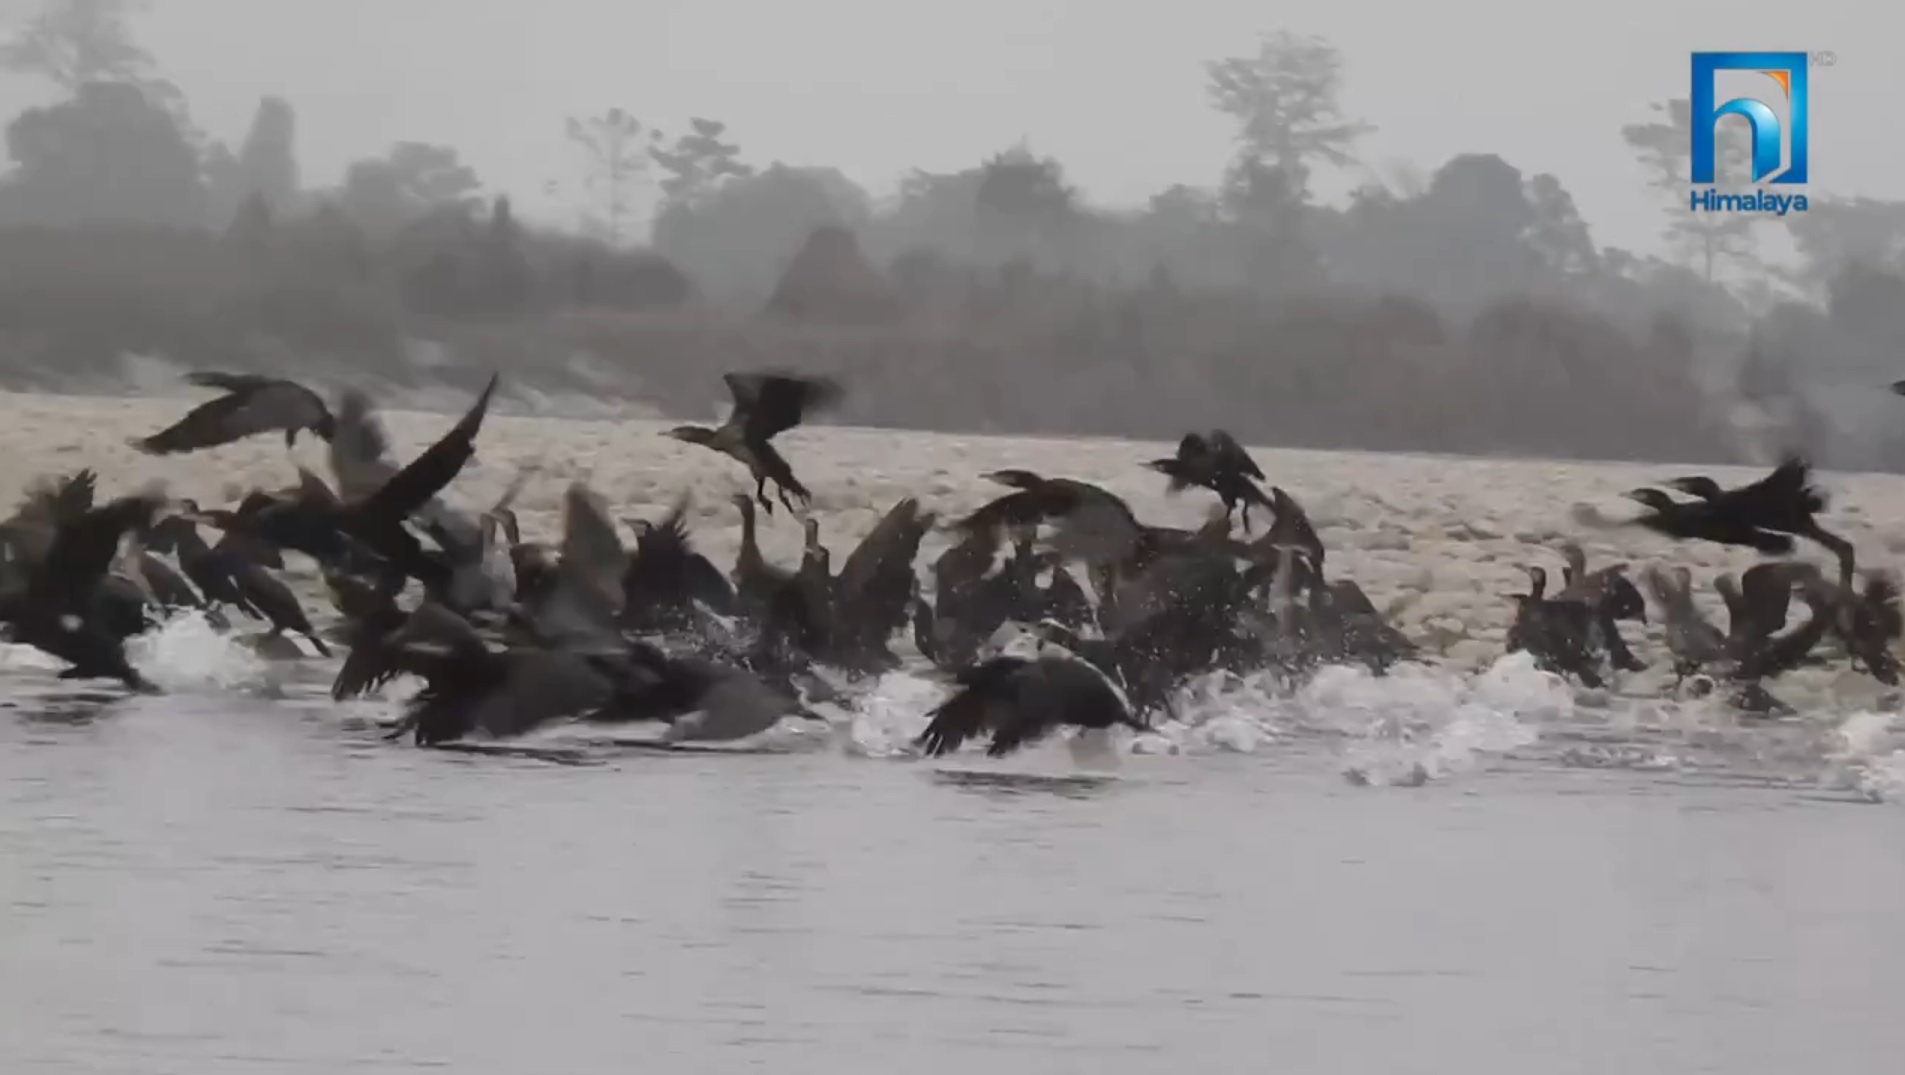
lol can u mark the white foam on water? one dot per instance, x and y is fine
(1864, 756)
(187, 654)
(18, 658)
(1418, 722)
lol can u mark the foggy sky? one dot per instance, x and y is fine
(1114, 91)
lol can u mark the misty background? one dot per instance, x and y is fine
(1338, 225)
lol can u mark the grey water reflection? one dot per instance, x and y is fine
(226, 888)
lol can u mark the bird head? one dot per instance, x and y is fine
(1699, 485)
(1652, 498)
(690, 434)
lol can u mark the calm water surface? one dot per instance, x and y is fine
(238, 889)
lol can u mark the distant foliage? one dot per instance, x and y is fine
(1462, 306)
(740, 234)
(268, 157)
(413, 180)
(697, 163)
(109, 154)
(76, 43)
(615, 149)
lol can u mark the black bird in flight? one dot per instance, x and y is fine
(765, 405)
(1783, 502)
(316, 522)
(1215, 461)
(252, 404)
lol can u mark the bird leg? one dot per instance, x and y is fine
(788, 504)
(760, 494)
(1839, 547)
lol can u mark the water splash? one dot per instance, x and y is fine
(1864, 757)
(186, 653)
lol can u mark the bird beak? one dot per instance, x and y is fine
(1634, 495)
(1155, 464)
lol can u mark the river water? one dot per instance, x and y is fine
(214, 883)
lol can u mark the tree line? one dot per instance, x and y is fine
(1467, 309)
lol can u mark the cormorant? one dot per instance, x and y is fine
(251, 404)
(1020, 701)
(1702, 520)
(361, 462)
(666, 577)
(1784, 502)
(330, 530)
(1215, 461)
(1868, 621)
(867, 601)
(1692, 639)
(765, 405)
(470, 687)
(1554, 631)
(1611, 596)
(58, 609)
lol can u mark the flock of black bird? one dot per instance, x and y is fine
(508, 635)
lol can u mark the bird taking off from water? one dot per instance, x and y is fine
(252, 404)
(1215, 461)
(765, 405)
(1021, 701)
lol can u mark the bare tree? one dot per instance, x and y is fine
(1664, 148)
(616, 147)
(1285, 98)
(699, 162)
(72, 43)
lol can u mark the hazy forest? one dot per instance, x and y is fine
(1469, 310)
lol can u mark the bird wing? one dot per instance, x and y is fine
(1100, 530)
(237, 383)
(592, 554)
(735, 705)
(212, 423)
(45, 506)
(417, 484)
(888, 548)
(83, 549)
(1292, 527)
(983, 702)
(1790, 483)
(1091, 524)
(540, 686)
(1619, 597)
(767, 404)
(360, 448)
(1227, 449)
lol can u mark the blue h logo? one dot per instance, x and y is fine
(1788, 69)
